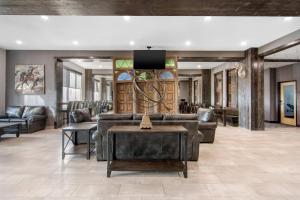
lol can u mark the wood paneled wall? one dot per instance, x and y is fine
(251, 92)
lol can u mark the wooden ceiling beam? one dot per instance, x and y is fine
(151, 7)
(280, 44)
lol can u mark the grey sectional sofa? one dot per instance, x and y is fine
(146, 147)
(33, 118)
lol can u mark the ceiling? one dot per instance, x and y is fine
(93, 63)
(152, 7)
(119, 33)
(198, 65)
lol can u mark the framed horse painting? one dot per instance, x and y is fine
(30, 79)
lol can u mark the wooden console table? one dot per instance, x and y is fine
(148, 165)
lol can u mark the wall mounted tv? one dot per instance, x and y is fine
(149, 59)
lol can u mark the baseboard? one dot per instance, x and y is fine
(274, 122)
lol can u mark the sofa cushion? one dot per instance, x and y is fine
(34, 110)
(180, 117)
(15, 111)
(207, 116)
(232, 112)
(153, 116)
(17, 120)
(81, 115)
(115, 116)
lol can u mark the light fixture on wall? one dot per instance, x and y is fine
(241, 70)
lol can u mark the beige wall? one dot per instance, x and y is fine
(2, 80)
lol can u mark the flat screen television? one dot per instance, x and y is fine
(149, 59)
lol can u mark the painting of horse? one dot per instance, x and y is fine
(30, 79)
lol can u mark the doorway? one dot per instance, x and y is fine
(288, 106)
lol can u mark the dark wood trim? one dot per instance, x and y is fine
(210, 59)
(189, 75)
(272, 122)
(280, 44)
(281, 48)
(216, 74)
(281, 60)
(237, 82)
(151, 8)
(65, 59)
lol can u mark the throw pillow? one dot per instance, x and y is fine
(81, 115)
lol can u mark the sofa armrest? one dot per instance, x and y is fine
(207, 125)
(4, 116)
(34, 118)
(197, 139)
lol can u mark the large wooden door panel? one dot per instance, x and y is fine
(169, 98)
(124, 97)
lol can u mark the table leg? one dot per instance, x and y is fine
(108, 156)
(224, 118)
(75, 138)
(19, 130)
(63, 145)
(88, 146)
(180, 147)
(185, 156)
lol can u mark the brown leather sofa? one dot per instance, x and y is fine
(231, 115)
(207, 124)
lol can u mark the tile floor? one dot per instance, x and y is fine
(240, 165)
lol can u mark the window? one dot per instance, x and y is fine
(97, 90)
(232, 91)
(218, 83)
(124, 76)
(71, 86)
(166, 75)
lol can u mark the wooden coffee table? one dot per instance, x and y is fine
(5, 125)
(73, 129)
(149, 165)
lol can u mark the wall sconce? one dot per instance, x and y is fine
(241, 70)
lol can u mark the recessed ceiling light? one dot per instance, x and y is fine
(207, 18)
(131, 43)
(19, 42)
(288, 18)
(75, 42)
(188, 43)
(126, 18)
(244, 43)
(44, 17)
(199, 66)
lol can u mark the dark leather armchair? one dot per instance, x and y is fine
(207, 124)
(231, 115)
(33, 118)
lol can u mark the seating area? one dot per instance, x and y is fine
(140, 100)
(32, 118)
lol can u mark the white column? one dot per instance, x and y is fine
(2, 80)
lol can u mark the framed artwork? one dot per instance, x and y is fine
(30, 79)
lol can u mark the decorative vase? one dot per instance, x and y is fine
(146, 122)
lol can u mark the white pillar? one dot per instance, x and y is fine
(2, 80)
